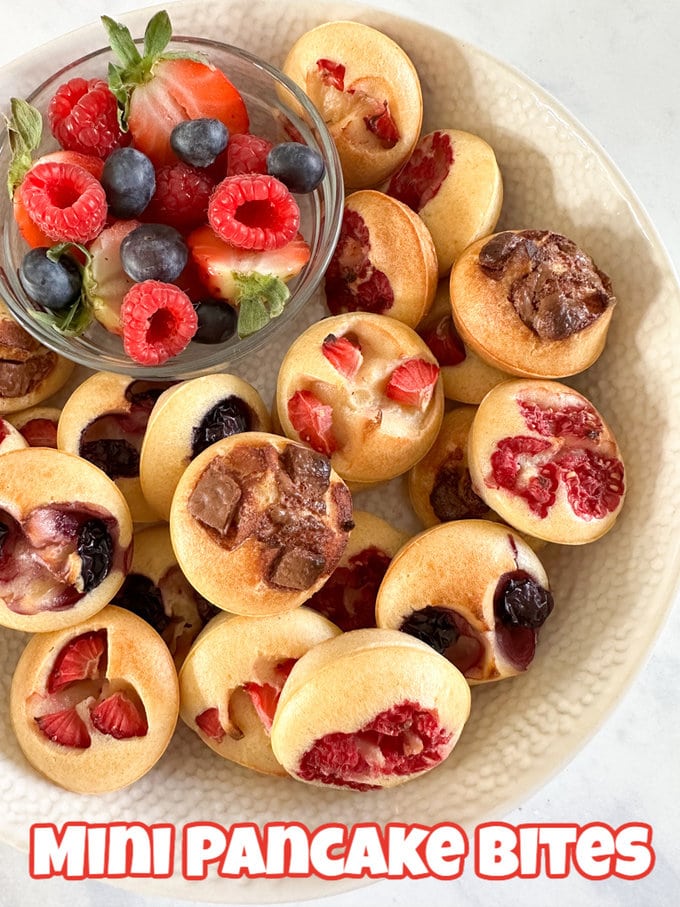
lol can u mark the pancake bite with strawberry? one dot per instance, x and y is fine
(94, 706)
(546, 461)
(368, 93)
(38, 425)
(364, 390)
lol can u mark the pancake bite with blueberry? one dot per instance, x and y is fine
(38, 425)
(532, 303)
(94, 706)
(104, 421)
(481, 607)
(368, 93)
(384, 261)
(546, 461)
(258, 523)
(234, 674)
(364, 390)
(452, 181)
(65, 537)
(10, 437)
(367, 710)
(186, 419)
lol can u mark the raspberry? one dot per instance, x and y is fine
(181, 197)
(83, 116)
(254, 211)
(65, 201)
(158, 322)
(247, 153)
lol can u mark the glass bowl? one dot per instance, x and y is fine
(278, 111)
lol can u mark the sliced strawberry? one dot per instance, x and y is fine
(119, 717)
(40, 432)
(381, 123)
(209, 723)
(331, 73)
(265, 696)
(105, 283)
(83, 658)
(65, 727)
(313, 421)
(344, 355)
(444, 342)
(412, 382)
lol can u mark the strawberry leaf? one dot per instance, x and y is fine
(78, 316)
(157, 35)
(24, 131)
(260, 297)
(121, 42)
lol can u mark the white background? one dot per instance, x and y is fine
(614, 64)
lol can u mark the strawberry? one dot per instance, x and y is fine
(444, 342)
(265, 696)
(119, 717)
(83, 658)
(344, 355)
(159, 89)
(105, 283)
(254, 211)
(209, 723)
(65, 727)
(412, 382)
(313, 421)
(40, 432)
(83, 116)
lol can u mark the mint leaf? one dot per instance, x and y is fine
(157, 35)
(121, 42)
(260, 297)
(24, 131)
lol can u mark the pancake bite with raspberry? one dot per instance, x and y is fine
(481, 607)
(452, 181)
(532, 303)
(384, 261)
(104, 421)
(38, 425)
(545, 460)
(94, 706)
(65, 537)
(367, 710)
(368, 93)
(364, 390)
(233, 676)
(186, 419)
(258, 523)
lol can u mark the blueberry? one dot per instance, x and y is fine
(198, 142)
(216, 321)
(154, 252)
(519, 601)
(230, 416)
(95, 548)
(53, 284)
(129, 181)
(298, 166)
(434, 625)
(142, 596)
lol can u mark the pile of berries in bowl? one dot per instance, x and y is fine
(172, 203)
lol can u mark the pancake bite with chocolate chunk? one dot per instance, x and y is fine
(532, 303)
(258, 523)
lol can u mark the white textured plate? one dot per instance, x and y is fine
(611, 596)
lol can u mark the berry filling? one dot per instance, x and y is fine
(228, 417)
(515, 466)
(452, 496)
(265, 696)
(403, 740)
(348, 597)
(521, 607)
(420, 179)
(567, 421)
(448, 633)
(40, 433)
(343, 353)
(444, 342)
(352, 282)
(66, 728)
(313, 421)
(83, 658)
(209, 723)
(120, 715)
(412, 383)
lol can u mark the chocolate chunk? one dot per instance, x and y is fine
(452, 496)
(343, 505)
(215, 497)
(297, 568)
(494, 255)
(306, 467)
(18, 378)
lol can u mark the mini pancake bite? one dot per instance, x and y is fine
(233, 676)
(94, 706)
(531, 303)
(29, 372)
(545, 460)
(10, 437)
(369, 709)
(38, 425)
(384, 261)
(453, 183)
(348, 596)
(364, 390)
(472, 590)
(156, 590)
(186, 419)
(65, 536)
(368, 93)
(258, 523)
(104, 421)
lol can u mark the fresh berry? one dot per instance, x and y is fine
(209, 723)
(247, 153)
(83, 658)
(158, 322)
(104, 281)
(413, 382)
(119, 717)
(198, 142)
(313, 421)
(65, 201)
(129, 181)
(444, 342)
(153, 252)
(519, 601)
(352, 282)
(298, 166)
(254, 211)
(216, 321)
(343, 354)
(65, 727)
(40, 432)
(181, 197)
(83, 117)
(265, 696)
(421, 177)
(53, 284)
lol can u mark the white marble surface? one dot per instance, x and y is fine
(614, 65)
